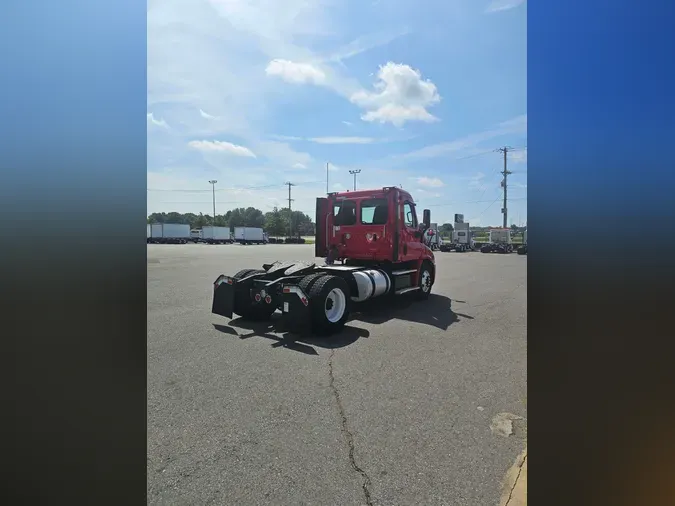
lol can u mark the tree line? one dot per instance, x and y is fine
(276, 222)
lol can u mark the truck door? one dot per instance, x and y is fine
(411, 247)
(323, 215)
(373, 238)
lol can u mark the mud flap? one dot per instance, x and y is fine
(223, 296)
(295, 315)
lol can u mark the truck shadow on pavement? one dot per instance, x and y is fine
(302, 344)
(436, 312)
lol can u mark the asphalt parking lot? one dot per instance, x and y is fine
(415, 403)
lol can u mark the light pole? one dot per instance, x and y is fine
(354, 173)
(213, 185)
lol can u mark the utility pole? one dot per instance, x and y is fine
(355, 172)
(213, 185)
(290, 213)
(327, 178)
(505, 173)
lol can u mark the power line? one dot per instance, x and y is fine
(488, 207)
(262, 187)
(472, 202)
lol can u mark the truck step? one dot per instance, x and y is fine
(401, 273)
(406, 290)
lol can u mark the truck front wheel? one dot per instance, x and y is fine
(425, 280)
(330, 304)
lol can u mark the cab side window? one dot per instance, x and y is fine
(345, 213)
(409, 215)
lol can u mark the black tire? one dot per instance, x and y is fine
(308, 281)
(425, 283)
(247, 308)
(323, 298)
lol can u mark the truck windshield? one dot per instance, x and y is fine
(344, 212)
(374, 212)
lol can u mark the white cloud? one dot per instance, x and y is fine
(152, 121)
(399, 95)
(348, 123)
(299, 166)
(296, 73)
(330, 140)
(502, 5)
(222, 147)
(206, 115)
(281, 154)
(343, 140)
(430, 182)
(515, 126)
(363, 44)
(427, 193)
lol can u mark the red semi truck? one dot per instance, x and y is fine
(373, 247)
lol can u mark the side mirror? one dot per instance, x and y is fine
(426, 217)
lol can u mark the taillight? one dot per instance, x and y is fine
(257, 297)
(268, 299)
(304, 300)
(287, 289)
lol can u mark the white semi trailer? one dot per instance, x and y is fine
(169, 233)
(249, 235)
(216, 235)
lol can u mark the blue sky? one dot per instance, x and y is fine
(254, 93)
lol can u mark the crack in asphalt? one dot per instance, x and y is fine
(515, 482)
(348, 435)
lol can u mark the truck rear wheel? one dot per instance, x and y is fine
(330, 304)
(308, 281)
(244, 306)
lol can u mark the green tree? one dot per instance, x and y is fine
(275, 223)
(446, 229)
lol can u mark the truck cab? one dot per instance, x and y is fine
(370, 225)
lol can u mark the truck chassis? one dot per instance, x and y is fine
(497, 248)
(458, 247)
(314, 299)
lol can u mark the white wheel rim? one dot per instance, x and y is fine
(335, 305)
(426, 281)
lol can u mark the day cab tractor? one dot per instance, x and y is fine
(373, 247)
(499, 241)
